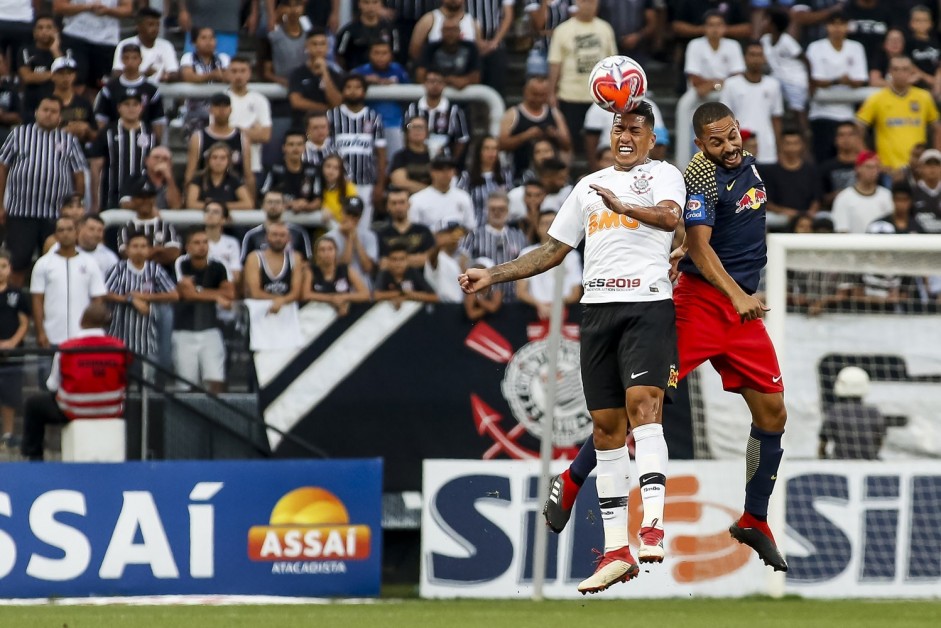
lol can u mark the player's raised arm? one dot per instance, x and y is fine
(697, 245)
(536, 261)
(665, 215)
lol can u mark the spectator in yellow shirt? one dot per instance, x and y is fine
(336, 188)
(900, 115)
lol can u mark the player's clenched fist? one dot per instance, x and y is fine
(474, 280)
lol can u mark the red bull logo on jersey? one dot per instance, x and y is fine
(606, 219)
(754, 198)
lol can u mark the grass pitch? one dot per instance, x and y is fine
(746, 613)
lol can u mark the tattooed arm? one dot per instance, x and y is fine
(665, 216)
(536, 261)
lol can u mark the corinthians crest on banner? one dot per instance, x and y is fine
(524, 387)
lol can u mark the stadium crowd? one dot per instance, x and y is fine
(408, 195)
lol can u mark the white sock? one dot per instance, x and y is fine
(650, 453)
(614, 485)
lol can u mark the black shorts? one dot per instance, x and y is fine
(11, 386)
(26, 236)
(95, 61)
(625, 345)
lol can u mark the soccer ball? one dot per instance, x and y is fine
(618, 84)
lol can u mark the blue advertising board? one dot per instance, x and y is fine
(295, 528)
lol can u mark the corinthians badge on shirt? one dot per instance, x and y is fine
(641, 183)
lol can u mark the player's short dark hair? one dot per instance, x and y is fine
(397, 247)
(644, 109)
(147, 13)
(779, 18)
(901, 187)
(707, 113)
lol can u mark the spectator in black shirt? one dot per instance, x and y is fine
(792, 184)
(9, 101)
(839, 173)
(299, 182)
(869, 21)
(689, 19)
(315, 86)
(14, 322)
(354, 39)
(411, 167)
(78, 114)
(456, 60)
(131, 81)
(203, 285)
(216, 182)
(924, 48)
(926, 195)
(330, 282)
(35, 64)
(399, 282)
(418, 239)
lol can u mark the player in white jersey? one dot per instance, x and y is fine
(628, 339)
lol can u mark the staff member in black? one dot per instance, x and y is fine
(40, 165)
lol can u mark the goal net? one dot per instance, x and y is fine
(856, 321)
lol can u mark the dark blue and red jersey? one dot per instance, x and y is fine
(732, 202)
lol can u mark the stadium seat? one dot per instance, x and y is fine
(94, 440)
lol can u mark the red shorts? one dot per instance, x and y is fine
(708, 328)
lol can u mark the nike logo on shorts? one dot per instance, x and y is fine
(636, 375)
(776, 379)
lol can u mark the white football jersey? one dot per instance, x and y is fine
(625, 260)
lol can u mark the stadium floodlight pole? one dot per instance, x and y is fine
(540, 543)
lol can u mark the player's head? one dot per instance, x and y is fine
(632, 136)
(717, 134)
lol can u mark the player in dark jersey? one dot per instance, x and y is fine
(718, 318)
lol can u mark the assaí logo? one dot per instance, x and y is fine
(309, 533)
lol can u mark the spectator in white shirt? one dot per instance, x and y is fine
(442, 200)
(788, 63)
(222, 247)
(713, 58)
(865, 201)
(839, 63)
(159, 63)
(757, 102)
(63, 284)
(91, 235)
(251, 111)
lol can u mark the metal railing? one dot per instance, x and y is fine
(402, 93)
(170, 386)
(189, 217)
(690, 100)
